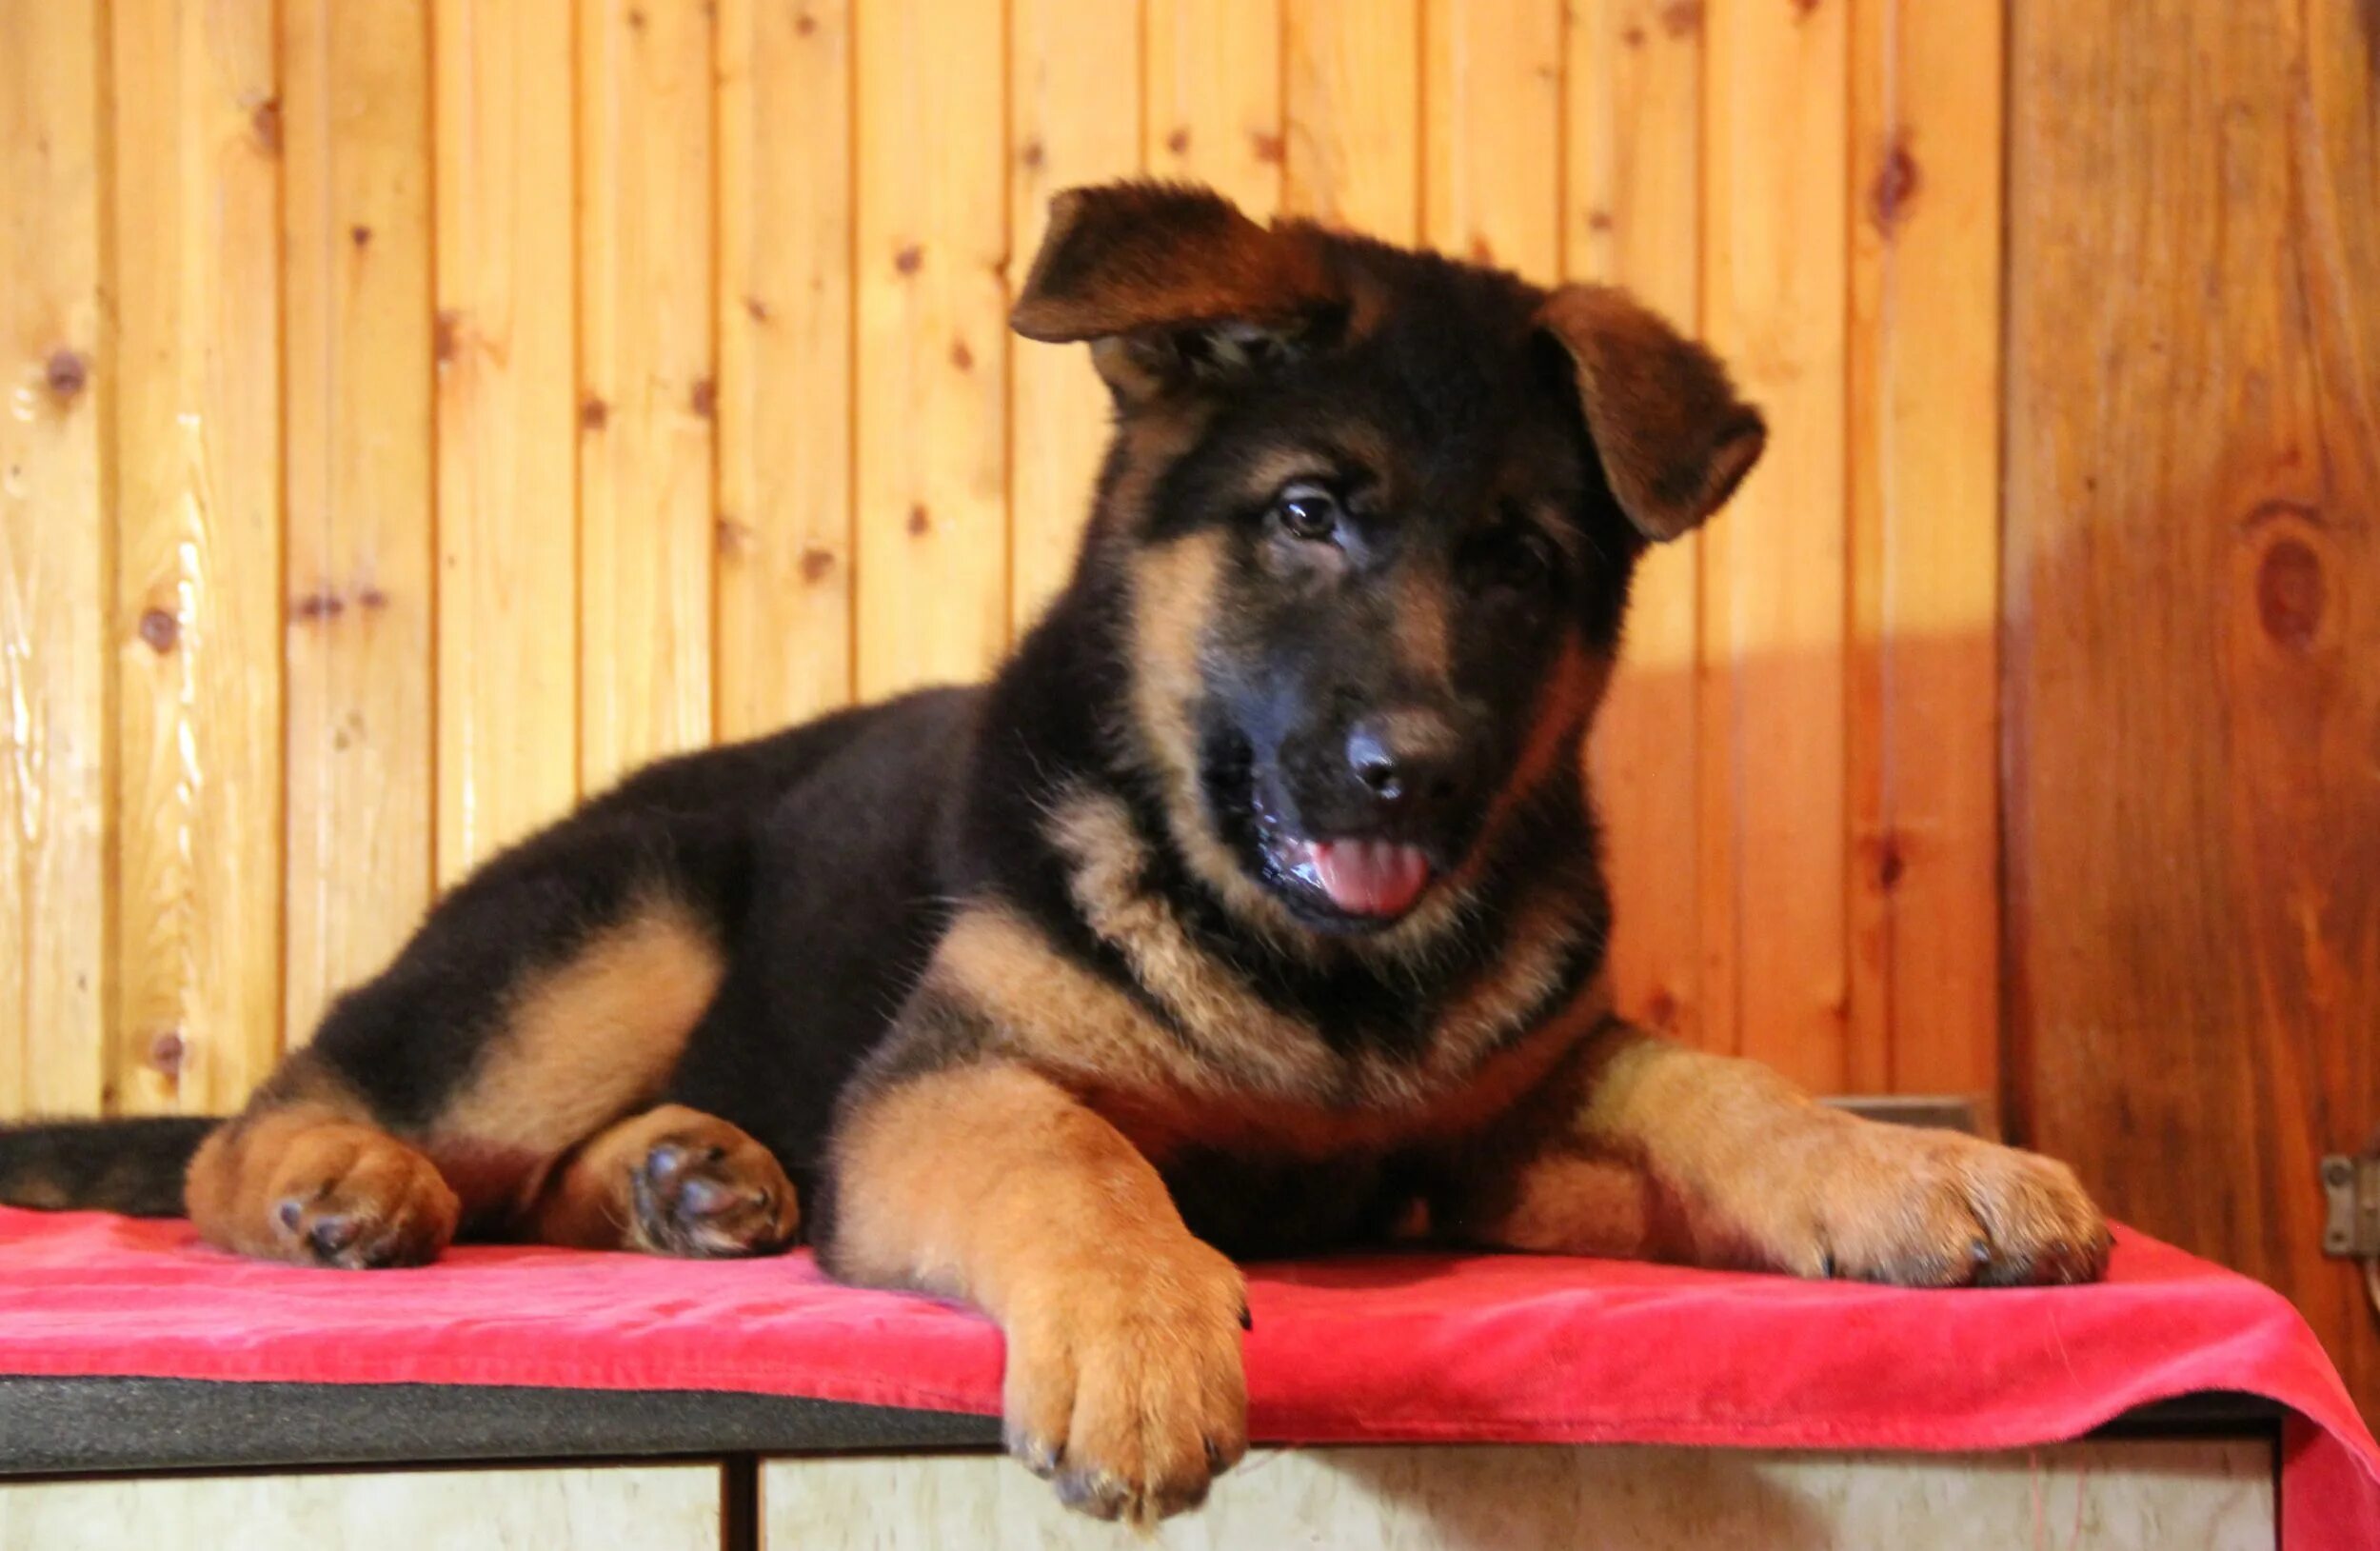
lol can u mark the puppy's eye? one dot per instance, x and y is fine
(1308, 512)
(1519, 559)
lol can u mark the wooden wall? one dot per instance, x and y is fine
(419, 413)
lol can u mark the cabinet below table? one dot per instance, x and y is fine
(2205, 1493)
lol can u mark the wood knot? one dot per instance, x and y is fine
(804, 24)
(961, 357)
(444, 332)
(1030, 156)
(1599, 220)
(360, 235)
(1270, 147)
(918, 519)
(735, 539)
(65, 374)
(1178, 142)
(167, 1052)
(909, 259)
(594, 413)
(756, 309)
(2291, 593)
(264, 121)
(160, 630)
(318, 606)
(1681, 19)
(1633, 37)
(817, 563)
(704, 397)
(1896, 185)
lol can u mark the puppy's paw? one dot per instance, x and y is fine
(1923, 1208)
(355, 1199)
(706, 1191)
(1125, 1386)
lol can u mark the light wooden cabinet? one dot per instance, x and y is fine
(2182, 1495)
(638, 1508)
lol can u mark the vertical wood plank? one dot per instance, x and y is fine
(356, 337)
(1351, 88)
(1074, 117)
(507, 541)
(53, 566)
(2193, 621)
(1214, 97)
(1775, 981)
(1633, 217)
(785, 363)
(1924, 471)
(648, 383)
(1492, 105)
(197, 138)
(932, 383)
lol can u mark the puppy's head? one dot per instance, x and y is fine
(1372, 515)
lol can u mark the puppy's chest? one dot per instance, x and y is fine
(1255, 1205)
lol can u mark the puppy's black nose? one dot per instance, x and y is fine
(1409, 760)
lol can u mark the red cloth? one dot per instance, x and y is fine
(1483, 1348)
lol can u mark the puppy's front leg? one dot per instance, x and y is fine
(990, 1182)
(1647, 1148)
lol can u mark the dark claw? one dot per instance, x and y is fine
(332, 1234)
(1091, 1492)
(291, 1211)
(1247, 1318)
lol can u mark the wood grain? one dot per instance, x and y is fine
(1074, 117)
(2210, 1495)
(196, 133)
(1773, 818)
(625, 1508)
(2194, 657)
(648, 383)
(785, 363)
(1924, 412)
(933, 345)
(1493, 128)
(54, 559)
(1213, 96)
(507, 522)
(355, 213)
(1633, 216)
(1352, 94)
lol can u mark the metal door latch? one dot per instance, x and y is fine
(2351, 1189)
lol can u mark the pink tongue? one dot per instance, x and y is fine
(1370, 877)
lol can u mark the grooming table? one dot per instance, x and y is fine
(753, 1404)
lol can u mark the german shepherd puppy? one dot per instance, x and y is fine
(1253, 907)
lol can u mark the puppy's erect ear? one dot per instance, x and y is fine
(1673, 438)
(1166, 276)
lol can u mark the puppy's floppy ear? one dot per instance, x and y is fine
(1673, 438)
(1167, 277)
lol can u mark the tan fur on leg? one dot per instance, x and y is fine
(1124, 1330)
(1674, 1154)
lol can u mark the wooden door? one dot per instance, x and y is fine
(2192, 667)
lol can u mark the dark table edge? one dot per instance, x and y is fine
(96, 1426)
